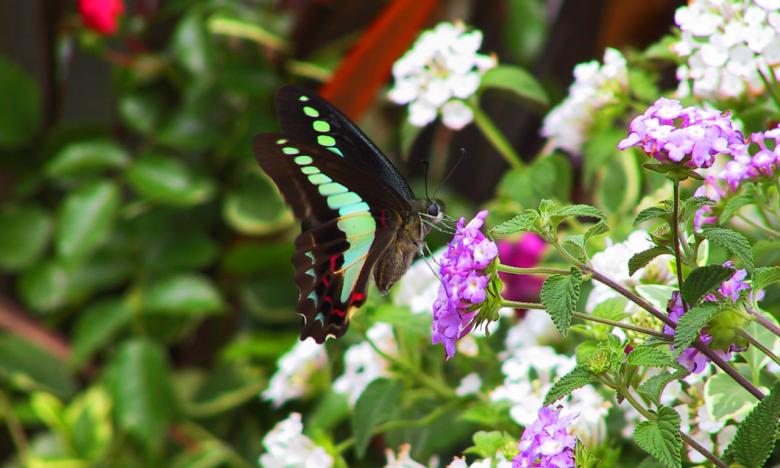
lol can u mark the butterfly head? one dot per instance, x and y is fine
(433, 210)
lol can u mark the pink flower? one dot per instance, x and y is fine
(101, 16)
(547, 442)
(524, 252)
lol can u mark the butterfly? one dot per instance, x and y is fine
(357, 212)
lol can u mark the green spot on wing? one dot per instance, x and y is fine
(326, 140)
(309, 170)
(303, 98)
(362, 206)
(303, 160)
(290, 150)
(321, 126)
(281, 141)
(337, 151)
(319, 179)
(331, 189)
(336, 202)
(310, 111)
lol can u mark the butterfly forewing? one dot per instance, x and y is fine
(348, 219)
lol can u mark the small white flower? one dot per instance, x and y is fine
(441, 69)
(402, 460)
(294, 372)
(594, 87)
(362, 365)
(469, 385)
(419, 287)
(287, 447)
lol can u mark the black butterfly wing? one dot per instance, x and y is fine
(305, 116)
(348, 219)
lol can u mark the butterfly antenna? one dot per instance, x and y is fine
(426, 166)
(452, 171)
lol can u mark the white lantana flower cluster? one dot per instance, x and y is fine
(526, 394)
(286, 446)
(295, 369)
(594, 87)
(441, 69)
(727, 44)
(612, 262)
(362, 365)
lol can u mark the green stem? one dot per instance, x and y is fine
(625, 326)
(14, 426)
(522, 305)
(532, 271)
(756, 225)
(676, 239)
(424, 379)
(494, 135)
(760, 346)
(770, 88)
(688, 440)
(763, 321)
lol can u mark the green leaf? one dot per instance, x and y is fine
(560, 295)
(620, 184)
(143, 401)
(236, 26)
(578, 210)
(644, 257)
(661, 437)
(83, 157)
(403, 319)
(85, 219)
(650, 356)
(516, 81)
(725, 399)
(24, 233)
(733, 205)
(693, 204)
(28, 368)
(97, 326)
(764, 276)
(756, 435)
(653, 212)
(376, 405)
(690, 323)
(654, 386)
(44, 287)
(578, 377)
(183, 293)
(732, 241)
(167, 180)
(520, 223)
(191, 45)
(755, 358)
(488, 444)
(255, 206)
(703, 280)
(657, 294)
(142, 110)
(612, 309)
(20, 114)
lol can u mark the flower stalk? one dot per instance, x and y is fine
(768, 352)
(532, 270)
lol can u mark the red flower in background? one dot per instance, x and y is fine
(524, 252)
(101, 16)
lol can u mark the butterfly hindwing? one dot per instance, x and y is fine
(348, 219)
(306, 116)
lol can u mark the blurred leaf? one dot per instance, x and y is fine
(24, 233)
(331, 410)
(44, 287)
(97, 326)
(30, 368)
(255, 207)
(517, 81)
(488, 444)
(89, 421)
(231, 25)
(191, 45)
(376, 405)
(261, 345)
(186, 250)
(247, 258)
(600, 150)
(20, 114)
(104, 270)
(619, 187)
(190, 127)
(755, 358)
(85, 218)
(545, 177)
(225, 388)
(183, 293)
(271, 298)
(403, 319)
(138, 381)
(726, 399)
(142, 110)
(83, 157)
(657, 294)
(527, 42)
(167, 180)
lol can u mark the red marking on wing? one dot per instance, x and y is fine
(356, 296)
(339, 312)
(383, 218)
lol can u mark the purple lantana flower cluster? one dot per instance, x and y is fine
(547, 442)
(671, 133)
(463, 282)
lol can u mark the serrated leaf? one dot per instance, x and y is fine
(376, 405)
(520, 223)
(755, 438)
(764, 276)
(654, 386)
(644, 257)
(560, 295)
(693, 204)
(578, 377)
(689, 325)
(579, 210)
(599, 228)
(653, 212)
(661, 437)
(703, 280)
(733, 205)
(732, 241)
(649, 356)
